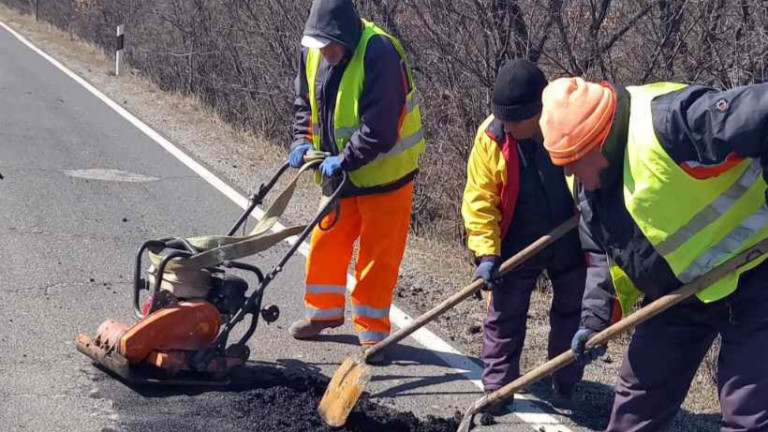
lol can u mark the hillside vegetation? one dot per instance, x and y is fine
(240, 56)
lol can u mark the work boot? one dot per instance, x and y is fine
(562, 395)
(499, 408)
(305, 329)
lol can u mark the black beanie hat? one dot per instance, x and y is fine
(517, 91)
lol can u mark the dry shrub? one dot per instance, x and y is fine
(240, 58)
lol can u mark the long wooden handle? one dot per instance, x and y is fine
(612, 332)
(470, 289)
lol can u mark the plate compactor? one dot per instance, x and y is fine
(184, 323)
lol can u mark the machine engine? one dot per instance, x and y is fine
(227, 292)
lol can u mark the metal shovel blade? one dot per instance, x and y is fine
(344, 390)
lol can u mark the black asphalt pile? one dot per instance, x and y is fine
(260, 399)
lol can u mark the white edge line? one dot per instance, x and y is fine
(525, 409)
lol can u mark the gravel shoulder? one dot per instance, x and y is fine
(431, 271)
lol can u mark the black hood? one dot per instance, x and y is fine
(336, 20)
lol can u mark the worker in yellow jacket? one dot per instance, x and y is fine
(514, 195)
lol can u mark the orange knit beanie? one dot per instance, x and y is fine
(576, 117)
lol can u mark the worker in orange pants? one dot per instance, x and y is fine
(381, 222)
(356, 101)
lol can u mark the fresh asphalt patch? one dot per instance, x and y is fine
(261, 397)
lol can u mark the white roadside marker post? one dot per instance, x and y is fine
(119, 51)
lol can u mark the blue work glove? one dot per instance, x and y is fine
(330, 166)
(578, 346)
(488, 271)
(296, 157)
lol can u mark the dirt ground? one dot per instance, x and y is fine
(427, 277)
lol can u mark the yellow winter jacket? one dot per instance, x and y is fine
(492, 188)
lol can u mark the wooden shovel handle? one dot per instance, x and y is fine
(612, 332)
(470, 289)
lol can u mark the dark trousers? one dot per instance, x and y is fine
(665, 353)
(504, 326)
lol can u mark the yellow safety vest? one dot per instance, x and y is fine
(403, 158)
(694, 224)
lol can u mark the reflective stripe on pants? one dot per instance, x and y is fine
(326, 289)
(371, 338)
(381, 223)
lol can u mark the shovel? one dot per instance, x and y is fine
(353, 375)
(644, 314)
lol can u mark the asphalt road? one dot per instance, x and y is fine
(83, 188)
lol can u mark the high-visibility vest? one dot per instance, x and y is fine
(694, 224)
(403, 158)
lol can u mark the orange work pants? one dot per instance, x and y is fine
(381, 222)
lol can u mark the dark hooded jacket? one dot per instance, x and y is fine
(696, 125)
(381, 102)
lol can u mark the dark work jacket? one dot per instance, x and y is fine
(381, 102)
(543, 202)
(697, 129)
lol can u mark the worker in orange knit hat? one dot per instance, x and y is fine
(579, 118)
(671, 182)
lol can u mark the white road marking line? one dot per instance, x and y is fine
(526, 410)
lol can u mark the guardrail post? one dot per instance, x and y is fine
(119, 51)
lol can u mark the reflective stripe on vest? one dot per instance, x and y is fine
(387, 167)
(694, 224)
